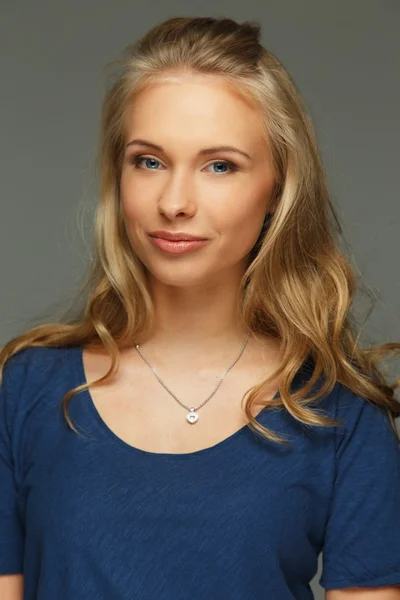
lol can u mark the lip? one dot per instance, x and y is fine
(177, 246)
(176, 236)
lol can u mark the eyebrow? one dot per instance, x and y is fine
(202, 152)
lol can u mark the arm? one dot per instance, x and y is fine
(380, 593)
(11, 587)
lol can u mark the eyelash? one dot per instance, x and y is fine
(137, 159)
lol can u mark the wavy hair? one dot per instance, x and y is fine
(298, 286)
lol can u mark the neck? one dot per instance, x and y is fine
(196, 321)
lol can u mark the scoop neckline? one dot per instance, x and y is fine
(196, 454)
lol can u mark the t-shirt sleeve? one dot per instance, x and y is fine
(11, 530)
(362, 536)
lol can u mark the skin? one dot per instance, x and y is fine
(179, 190)
(379, 593)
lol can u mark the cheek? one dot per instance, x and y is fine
(240, 226)
(133, 209)
(130, 211)
(127, 195)
(133, 214)
(131, 218)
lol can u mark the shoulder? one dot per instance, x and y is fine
(354, 408)
(28, 373)
(362, 423)
(355, 414)
(33, 362)
(345, 404)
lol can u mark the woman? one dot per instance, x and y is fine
(216, 278)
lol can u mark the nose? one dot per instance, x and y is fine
(177, 197)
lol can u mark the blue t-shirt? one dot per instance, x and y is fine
(91, 517)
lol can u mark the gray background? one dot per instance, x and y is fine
(344, 56)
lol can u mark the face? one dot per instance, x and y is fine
(172, 181)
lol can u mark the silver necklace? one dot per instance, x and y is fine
(192, 415)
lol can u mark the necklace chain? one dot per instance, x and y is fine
(192, 416)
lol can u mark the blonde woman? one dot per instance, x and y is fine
(220, 426)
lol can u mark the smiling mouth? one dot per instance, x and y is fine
(177, 246)
(176, 237)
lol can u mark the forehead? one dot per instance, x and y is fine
(194, 106)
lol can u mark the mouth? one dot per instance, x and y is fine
(177, 246)
(176, 237)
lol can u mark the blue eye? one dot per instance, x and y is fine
(230, 165)
(137, 160)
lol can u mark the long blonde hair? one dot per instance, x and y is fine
(298, 286)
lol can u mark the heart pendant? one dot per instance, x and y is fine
(192, 416)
